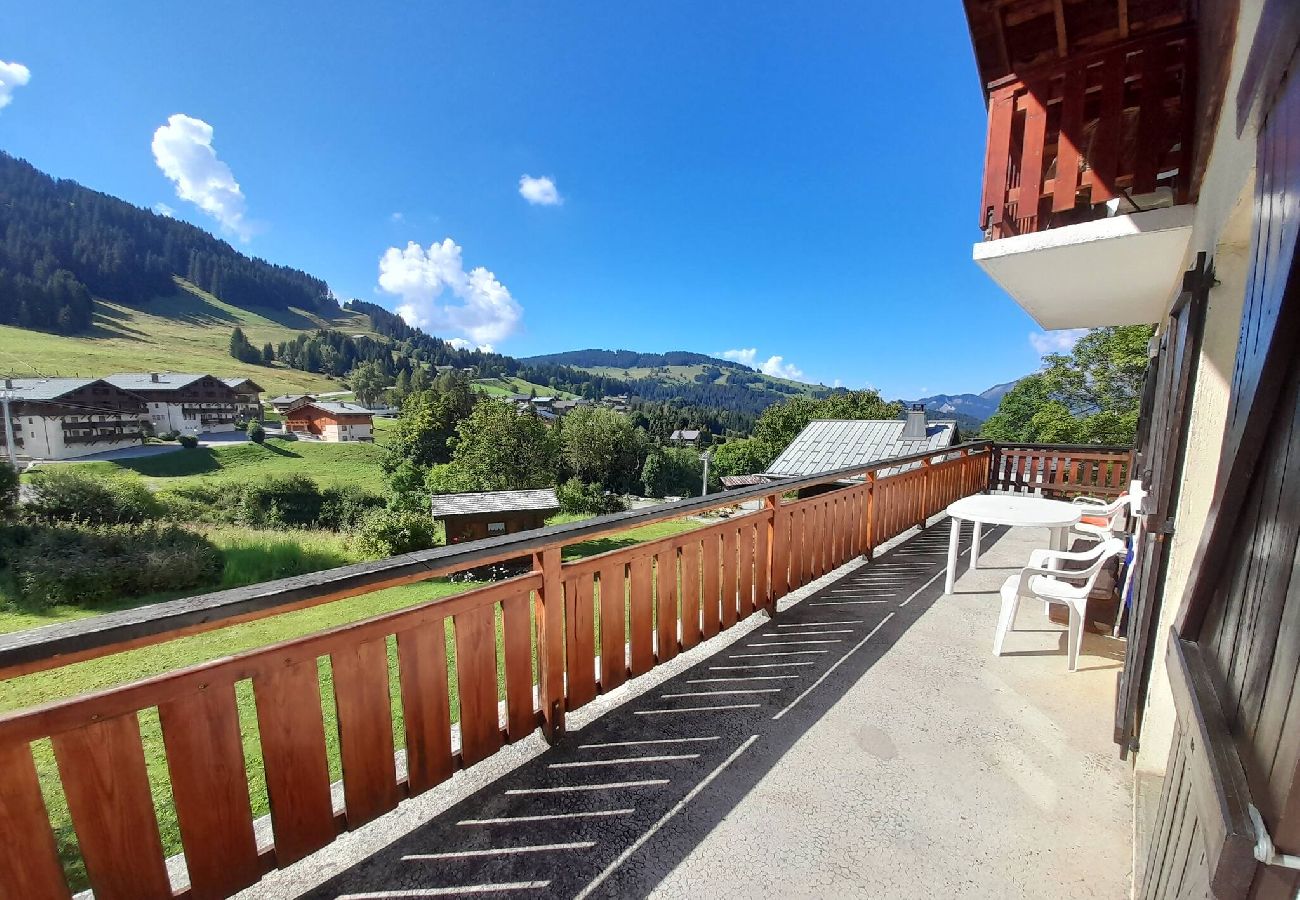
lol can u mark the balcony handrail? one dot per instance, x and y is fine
(56, 645)
(1053, 67)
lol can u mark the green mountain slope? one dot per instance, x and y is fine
(187, 331)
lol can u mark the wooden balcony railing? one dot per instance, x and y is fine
(1068, 136)
(594, 623)
(1060, 471)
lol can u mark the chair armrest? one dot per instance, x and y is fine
(1079, 556)
(1096, 501)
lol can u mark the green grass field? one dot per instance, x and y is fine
(686, 375)
(499, 387)
(188, 332)
(247, 559)
(328, 463)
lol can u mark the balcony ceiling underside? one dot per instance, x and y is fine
(1116, 271)
(1013, 36)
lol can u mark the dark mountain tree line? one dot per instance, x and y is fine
(62, 243)
(628, 359)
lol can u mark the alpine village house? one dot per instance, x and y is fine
(827, 718)
(64, 418)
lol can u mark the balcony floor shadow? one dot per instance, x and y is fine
(863, 742)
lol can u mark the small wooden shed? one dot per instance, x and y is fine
(469, 517)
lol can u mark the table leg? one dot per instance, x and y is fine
(953, 539)
(975, 546)
(1059, 536)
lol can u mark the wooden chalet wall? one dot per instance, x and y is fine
(1235, 657)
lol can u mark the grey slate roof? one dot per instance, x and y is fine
(289, 398)
(143, 381)
(493, 501)
(829, 444)
(350, 409)
(44, 388)
(236, 382)
(685, 434)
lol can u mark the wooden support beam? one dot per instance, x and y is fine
(1123, 19)
(1062, 40)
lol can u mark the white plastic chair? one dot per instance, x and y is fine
(1115, 511)
(1068, 587)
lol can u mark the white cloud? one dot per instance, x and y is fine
(183, 150)
(837, 383)
(163, 209)
(539, 191)
(776, 366)
(397, 217)
(460, 344)
(12, 75)
(479, 306)
(1060, 341)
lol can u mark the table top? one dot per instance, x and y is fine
(1014, 510)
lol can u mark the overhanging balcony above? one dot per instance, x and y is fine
(1116, 271)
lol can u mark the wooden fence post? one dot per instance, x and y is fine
(869, 520)
(926, 465)
(777, 542)
(550, 642)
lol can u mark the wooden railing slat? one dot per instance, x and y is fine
(365, 721)
(729, 595)
(104, 778)
(710, 600)
(476, 683)
(205, 761)
(666, 603)
(422, 673)
(641, 619)
(29, 858)
(613, 635)
(690, 593)
(292, 732)
(580, 638)
(745, 566)
(517, 645)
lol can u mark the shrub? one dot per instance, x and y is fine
(256, 433)
(587, 499)
(169, 435)
(188, 441)
(63, 494)
(388, 532)
(89, 566)
(293, 500)
(343, 508)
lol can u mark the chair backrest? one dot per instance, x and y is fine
(1111, 547)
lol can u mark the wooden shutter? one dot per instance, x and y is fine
(1162, 443)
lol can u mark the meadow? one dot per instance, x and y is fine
(189, 332)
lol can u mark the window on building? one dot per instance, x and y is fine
(496, 528)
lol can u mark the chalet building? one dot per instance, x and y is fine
(688, 437)
(470, 517)
(829, 444)
(192, 403)
(1141, 167)
(249, 393)
(63, 418)
(285, 402)
(331, 421)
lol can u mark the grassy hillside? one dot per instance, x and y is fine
(687, 375)
(330, 464)
(187, 332)
(499, 387)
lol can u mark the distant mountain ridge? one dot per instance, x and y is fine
(977, 407)
(629, 359)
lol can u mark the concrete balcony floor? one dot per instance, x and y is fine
(864, 743)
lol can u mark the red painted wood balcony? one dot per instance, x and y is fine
(1091, 136)
(427, 690)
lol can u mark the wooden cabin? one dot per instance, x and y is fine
(331, 421)
(469, 517)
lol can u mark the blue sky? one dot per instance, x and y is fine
(800, 180)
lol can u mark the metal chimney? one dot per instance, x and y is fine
(153, 376)
(914, 428)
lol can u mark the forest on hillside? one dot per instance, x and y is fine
(62, 244)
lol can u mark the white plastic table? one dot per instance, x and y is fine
(1006, 509)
